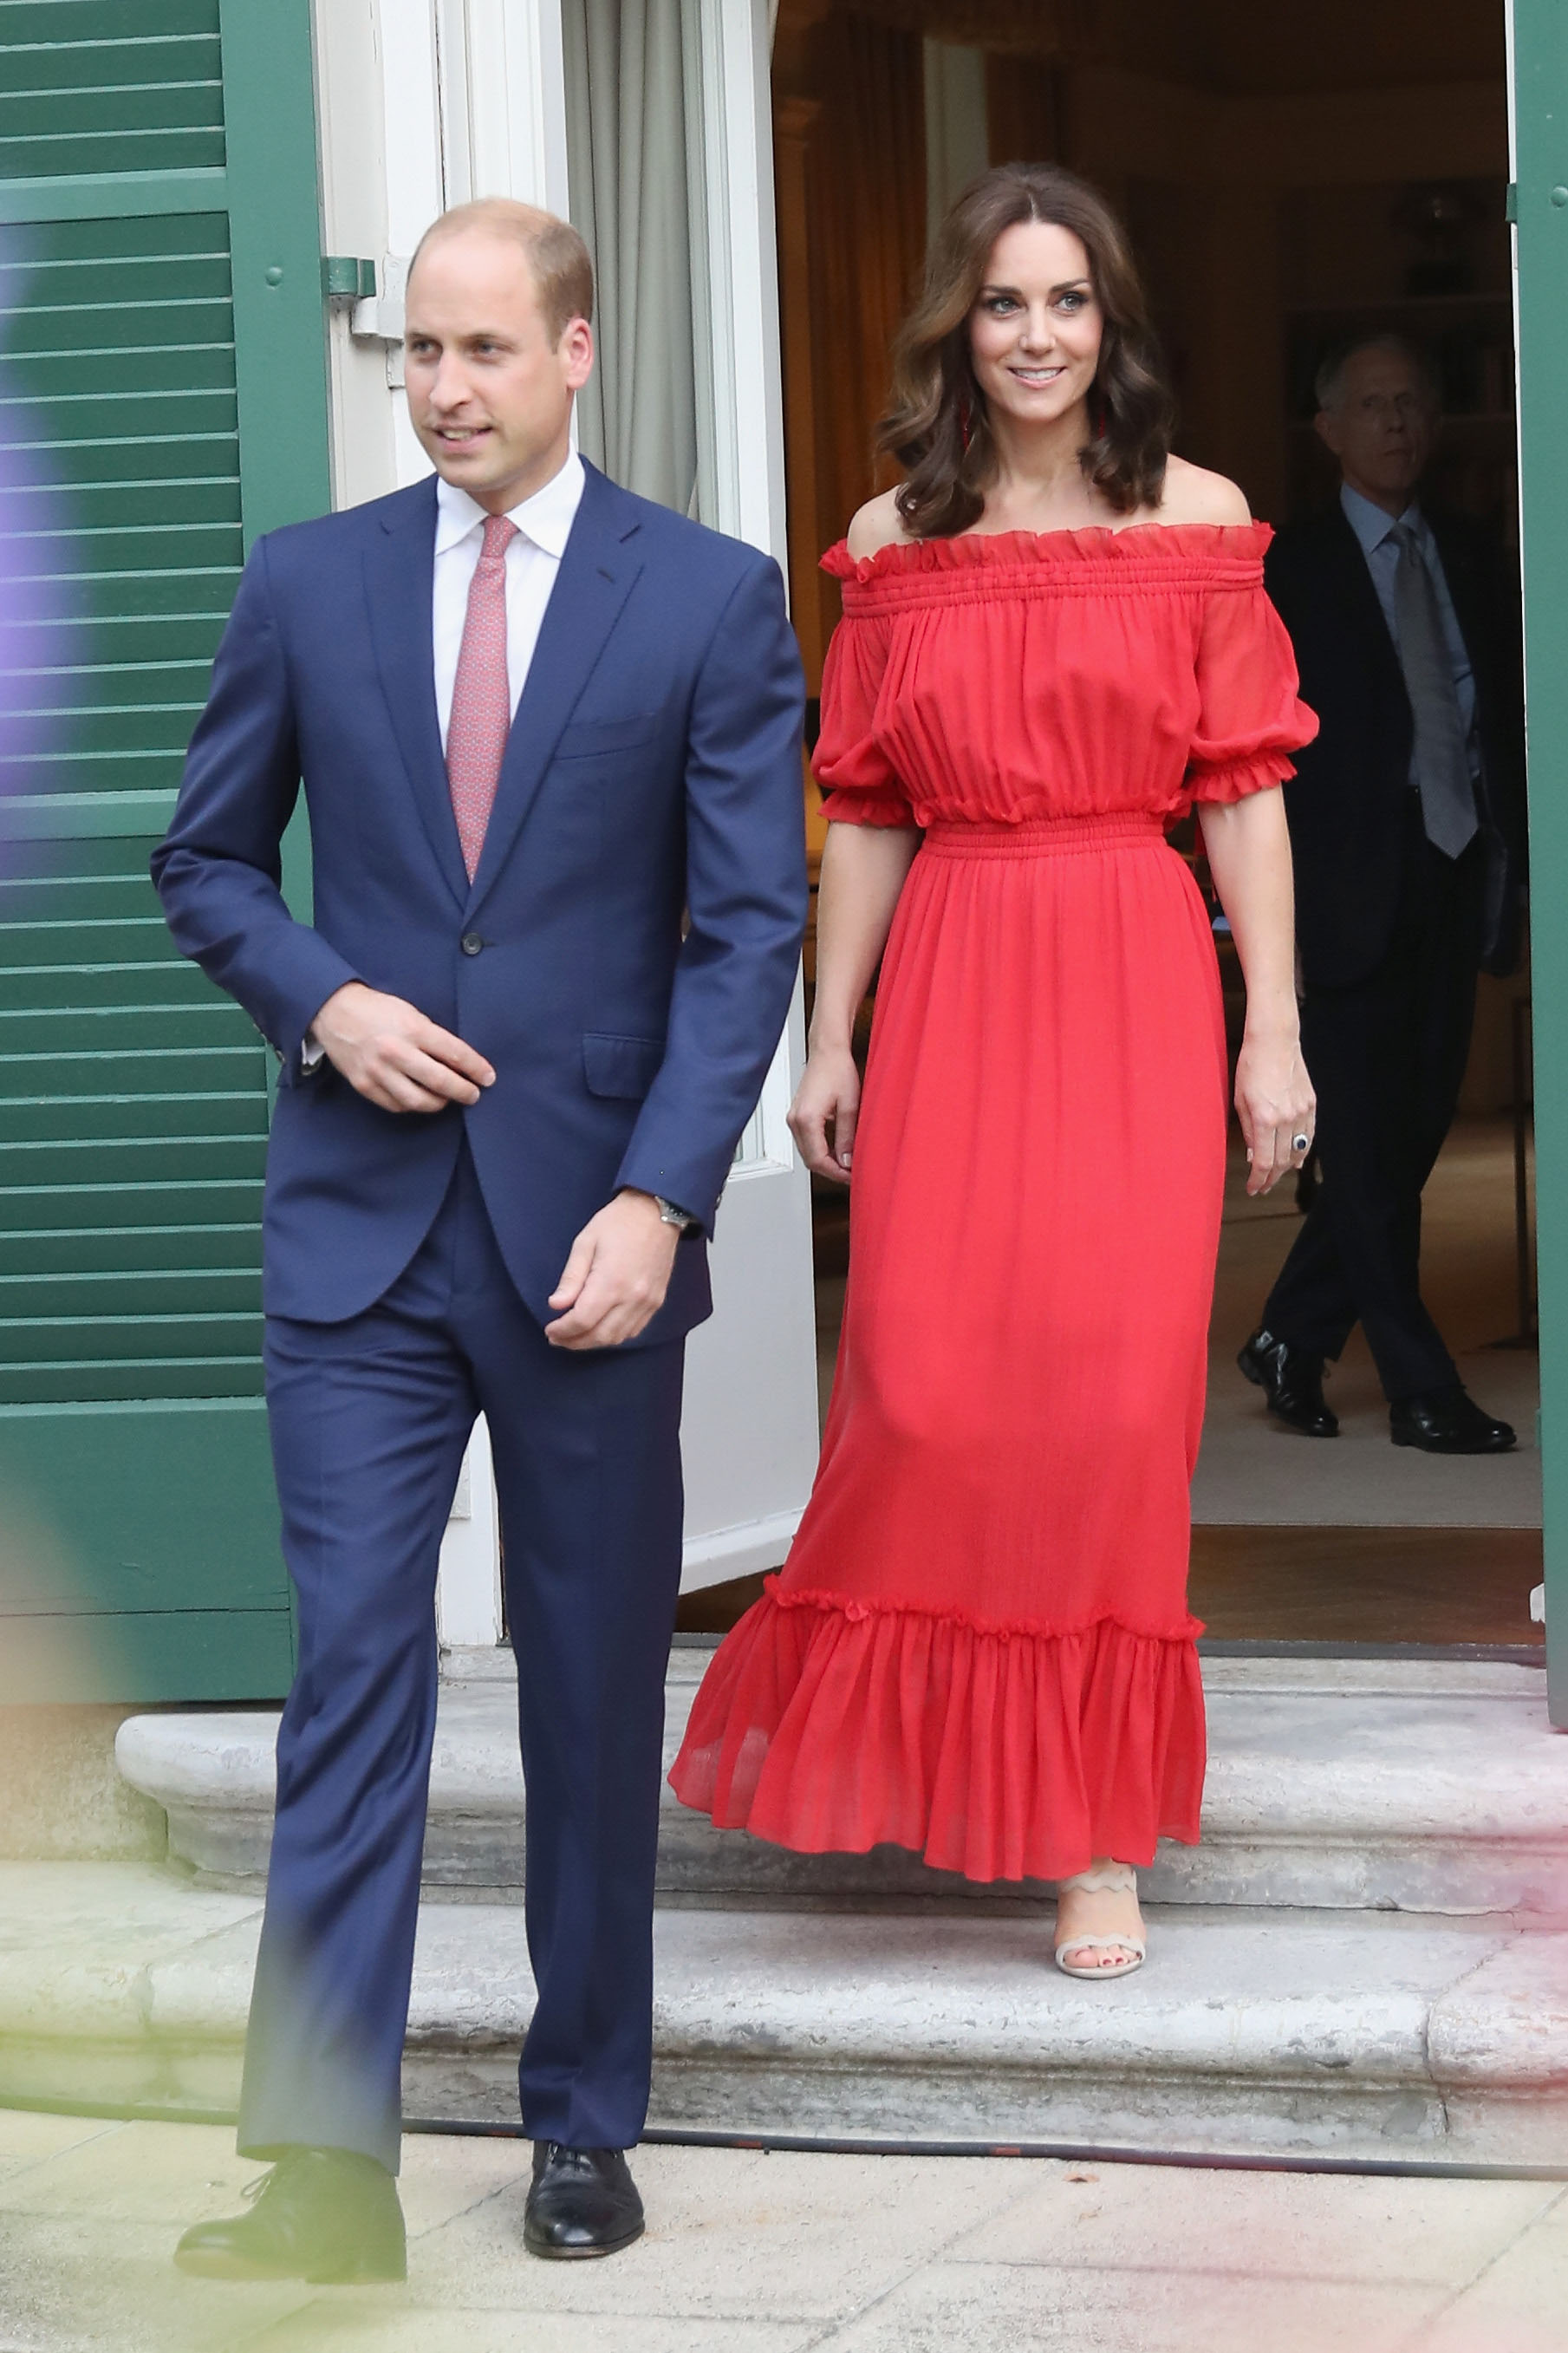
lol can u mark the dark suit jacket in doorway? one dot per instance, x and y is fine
(1349, 804)
(624, 953)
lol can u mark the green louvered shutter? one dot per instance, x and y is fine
(162, 399)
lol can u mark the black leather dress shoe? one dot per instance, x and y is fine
(1292, 1381)
(327, 2215)
(1446, 1422)
(584, 2201)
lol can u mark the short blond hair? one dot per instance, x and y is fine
(559, 263)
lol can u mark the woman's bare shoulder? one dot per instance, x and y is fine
(878, 524)
(1195, 495)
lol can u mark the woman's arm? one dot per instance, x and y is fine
(864, 868)
(1248, 851)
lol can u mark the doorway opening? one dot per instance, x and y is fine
(1283, 194)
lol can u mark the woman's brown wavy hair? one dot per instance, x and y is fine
(937, 427)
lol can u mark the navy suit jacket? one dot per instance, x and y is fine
(1349, 804)
(626, 953)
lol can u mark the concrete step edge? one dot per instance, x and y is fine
(1254, 2028)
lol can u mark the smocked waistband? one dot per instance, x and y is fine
(1046, 836)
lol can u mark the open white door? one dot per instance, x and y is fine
(750, 1432)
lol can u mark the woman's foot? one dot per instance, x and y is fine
(1099, 1928)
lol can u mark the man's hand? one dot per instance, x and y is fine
(389, 1054)
(614, 1281)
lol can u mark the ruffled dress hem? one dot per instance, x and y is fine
(999, 1751)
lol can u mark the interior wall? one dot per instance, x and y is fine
(1210, 260)
(1023, 109)
(1249, 209)
(956, 129)
(1257, 183)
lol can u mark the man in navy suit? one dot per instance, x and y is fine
(550, 957)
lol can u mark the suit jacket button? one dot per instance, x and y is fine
(471, 944)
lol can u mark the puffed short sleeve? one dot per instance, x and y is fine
(859, 784)
(1250, 717)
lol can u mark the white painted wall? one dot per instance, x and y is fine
(424, 103)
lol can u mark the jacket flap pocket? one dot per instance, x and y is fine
(588, 738)
(621, 1066)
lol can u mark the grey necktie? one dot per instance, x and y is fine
(1442, 761)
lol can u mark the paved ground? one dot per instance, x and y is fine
(754, 2253)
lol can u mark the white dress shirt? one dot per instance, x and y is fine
(1373, 527)
(532, 559)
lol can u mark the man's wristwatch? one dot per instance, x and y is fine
(670, 1214)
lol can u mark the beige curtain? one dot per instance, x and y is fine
(635, 174)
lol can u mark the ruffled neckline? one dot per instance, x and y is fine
(1088, 543)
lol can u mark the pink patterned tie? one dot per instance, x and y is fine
(481, 695)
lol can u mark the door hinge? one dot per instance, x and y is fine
(347, 279)
(373, 290)
(1511, 201)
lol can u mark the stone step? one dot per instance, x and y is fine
(1271, 2032)
(1402, 1785)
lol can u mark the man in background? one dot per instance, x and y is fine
(1405, 818)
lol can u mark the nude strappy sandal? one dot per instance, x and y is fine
(1105, 1879)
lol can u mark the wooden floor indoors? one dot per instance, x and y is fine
(1431, 1586)
(1439, 1586)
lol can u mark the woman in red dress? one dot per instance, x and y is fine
(1055, 640)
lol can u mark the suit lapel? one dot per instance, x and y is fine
(596, 577)
(399, 582)
(1355, 582)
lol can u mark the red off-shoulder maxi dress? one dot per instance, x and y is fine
(980, 1647)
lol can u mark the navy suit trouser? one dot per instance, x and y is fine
(369, 1421)
(1387, 1058)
